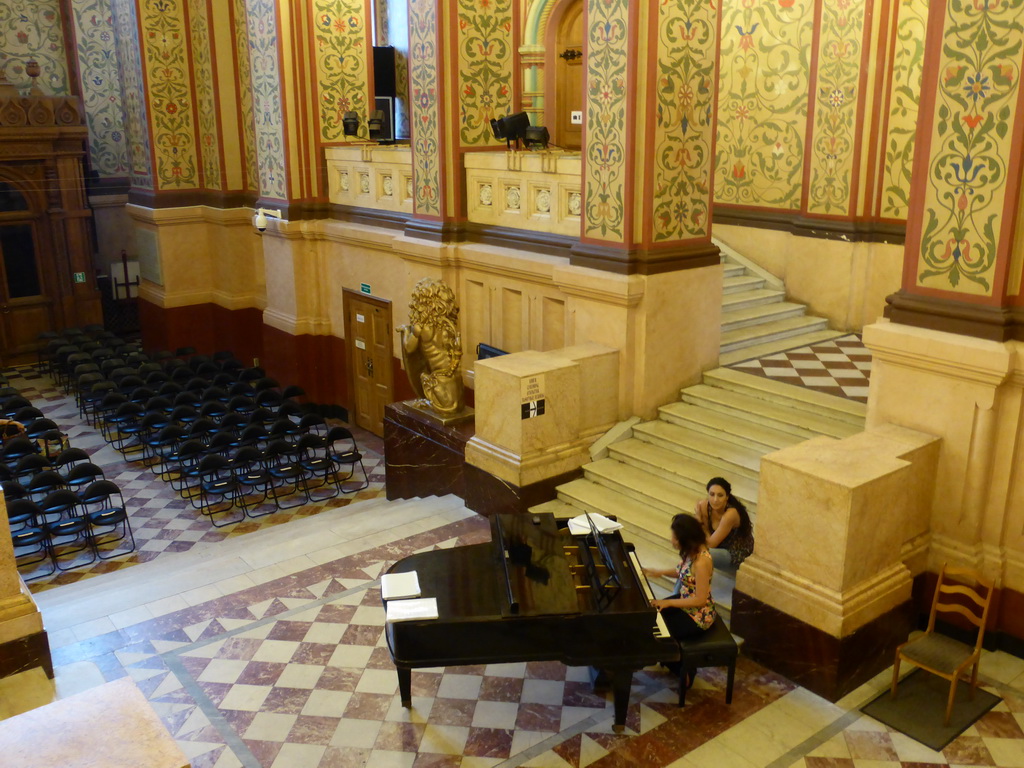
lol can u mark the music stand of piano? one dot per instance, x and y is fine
(534, 593)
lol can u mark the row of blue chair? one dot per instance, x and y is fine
(64, 524)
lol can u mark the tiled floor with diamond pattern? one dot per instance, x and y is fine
(267, 649)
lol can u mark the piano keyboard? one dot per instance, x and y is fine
(660, 630)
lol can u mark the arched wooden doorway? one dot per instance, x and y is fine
(26, 303)
(565, 69)
(47, 280)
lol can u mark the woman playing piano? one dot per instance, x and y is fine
(690, 610)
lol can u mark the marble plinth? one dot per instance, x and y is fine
(829, 666)
(423, 457)
(26, 653)
(490, 495)
(110, 726)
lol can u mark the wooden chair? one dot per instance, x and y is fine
(942, 655)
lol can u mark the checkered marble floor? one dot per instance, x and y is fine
(267, 650)
(162, 522)
(292, 670)
(839, 367)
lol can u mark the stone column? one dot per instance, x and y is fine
(461, 76)
(23, 641)
(949, 360)
(962, 265)
(825, 598)
(649, 125)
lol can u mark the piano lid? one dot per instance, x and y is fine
(536, 571)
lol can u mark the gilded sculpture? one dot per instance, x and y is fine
(432, 347)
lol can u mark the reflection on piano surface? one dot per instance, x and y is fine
(534, 593)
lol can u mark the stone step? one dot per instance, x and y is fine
(689, 472)
(776, 346)
(730, 458)
(760, 313)
(772, 390)
(587, 496)
(778, 415)
(772, 330)
(741, 283)
(556, 507)
(733, 301)
(659, 492)
(732, 427)
(732, 269)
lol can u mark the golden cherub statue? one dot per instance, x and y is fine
(432, 347)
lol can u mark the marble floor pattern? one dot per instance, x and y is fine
(267, 650)
(840, 367)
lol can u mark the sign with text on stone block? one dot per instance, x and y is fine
(532, 391)
(532, 388)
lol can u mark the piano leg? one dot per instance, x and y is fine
(622, 681)
(405, 685)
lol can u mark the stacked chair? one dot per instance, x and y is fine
(63, 513)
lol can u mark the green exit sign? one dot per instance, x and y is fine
(79, 277)
(365, 288)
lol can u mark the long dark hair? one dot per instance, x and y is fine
(731, 501)
(689, 533)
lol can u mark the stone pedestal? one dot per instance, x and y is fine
(423, 457)
(23, 641)
(539, 412)
(825, 597)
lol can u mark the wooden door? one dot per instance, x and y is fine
(569, 78)
(25, 308)
(370, 351)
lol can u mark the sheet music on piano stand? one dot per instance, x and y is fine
(608, 587)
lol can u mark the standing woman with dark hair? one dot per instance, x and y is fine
(690, 611)
(726, 523)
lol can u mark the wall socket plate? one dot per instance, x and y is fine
(576, 117)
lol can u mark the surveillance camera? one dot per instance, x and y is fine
(260, 221)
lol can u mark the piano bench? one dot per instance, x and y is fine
(715, 648)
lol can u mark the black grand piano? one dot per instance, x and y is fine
(536, 592)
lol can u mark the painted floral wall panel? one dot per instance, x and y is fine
(101, 87)
(171, 111)
(342, 68)
(908, 60)
(762, 103)
(266, 94)
(31, 30)
(607, 111)
(836, 98)
(206, 101)
(687, 39)
(248, 118)
(975, 124)
(426, 107)
(129, 57)
(485, 50)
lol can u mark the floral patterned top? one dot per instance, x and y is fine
(686, 585)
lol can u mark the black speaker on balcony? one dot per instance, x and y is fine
(384, 71)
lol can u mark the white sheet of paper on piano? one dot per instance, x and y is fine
(412, 610)
(578, 526)
(397, 586)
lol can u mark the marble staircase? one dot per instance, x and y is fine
(722, 426)
(756, 318)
